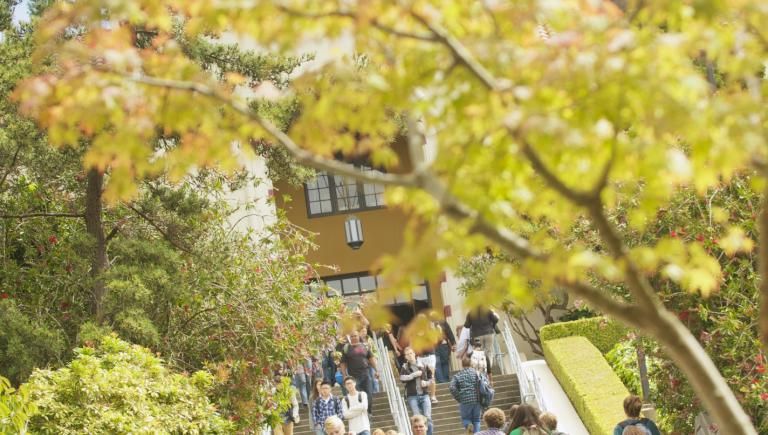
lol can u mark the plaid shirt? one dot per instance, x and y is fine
(323, 409)
(464, 386)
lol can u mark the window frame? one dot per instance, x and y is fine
(378, 281)
(360, 194)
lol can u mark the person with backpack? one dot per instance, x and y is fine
(632, 406)
(465, 391)
(526, 422)
(325, 406)
(356, 358)
(483, 326)
(417, 378)
(354, 407)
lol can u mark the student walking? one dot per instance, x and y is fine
(526, 421)
(464, 390)
(416, 378)
(443, 353)
(290, 416)
(324, 407)
(419, 425)
(355, 409)
(356, 358)
(632, 407)
(494, 419)
(334, 426)
(482, 324)
(549, 422)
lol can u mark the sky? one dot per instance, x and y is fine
(21, 13)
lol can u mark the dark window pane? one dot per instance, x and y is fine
(351, 286)
(420, 293)
(346, 193)
(367, 283)
(318, 193)
(334, 283)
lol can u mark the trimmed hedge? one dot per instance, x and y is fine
(601, 332)
(594, 389)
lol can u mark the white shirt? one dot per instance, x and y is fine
(356, 413)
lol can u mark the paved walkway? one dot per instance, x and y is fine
(555, 399)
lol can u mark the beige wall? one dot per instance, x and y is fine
(382, 232)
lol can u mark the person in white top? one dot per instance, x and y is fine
(354, 406)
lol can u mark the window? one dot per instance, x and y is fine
(329, 194)
(360, 284)
(351, 285)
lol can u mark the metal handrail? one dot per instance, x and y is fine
(391, 386)
(530, 389)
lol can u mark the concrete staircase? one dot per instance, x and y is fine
(445, 413)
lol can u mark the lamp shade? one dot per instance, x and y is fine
(353, 230)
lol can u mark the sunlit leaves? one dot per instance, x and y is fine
(736, 241)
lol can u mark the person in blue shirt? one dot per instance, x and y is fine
(632, 406)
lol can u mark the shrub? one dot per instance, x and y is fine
(601, 332)
(594, 389)
(15, 408)
(120, 388)
(26, 344)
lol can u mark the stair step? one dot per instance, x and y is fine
(445, 413)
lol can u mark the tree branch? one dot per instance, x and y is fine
(41, 214)
(461, 53)
(116, 229)
(452, 206)
(12, 164)
(582, 198)
(351, 14)
(301, 155)
(160, 230)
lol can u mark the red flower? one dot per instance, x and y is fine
(699, 237)
(759, 359)
(764, 396)
(760, 368)
(53, 239)
(673, 234)
(4, 295)
(684, 315)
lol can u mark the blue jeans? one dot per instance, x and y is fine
(471, 413)
(300, 382)
(374, 381)
(366, 384)
(365, 432)
(443, 367)
(422, 405)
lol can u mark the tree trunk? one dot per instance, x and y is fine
(763, 267)
(95, 228)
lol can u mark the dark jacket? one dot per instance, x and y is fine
(407, 376)
(481, 323)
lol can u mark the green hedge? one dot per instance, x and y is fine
(594, 389)
(603, 333)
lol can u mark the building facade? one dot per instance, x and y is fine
(324, 204)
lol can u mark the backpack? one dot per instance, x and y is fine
(485, 392)
(640, 424)
(359, 398)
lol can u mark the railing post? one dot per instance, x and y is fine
(395, 399)
(529, 388)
